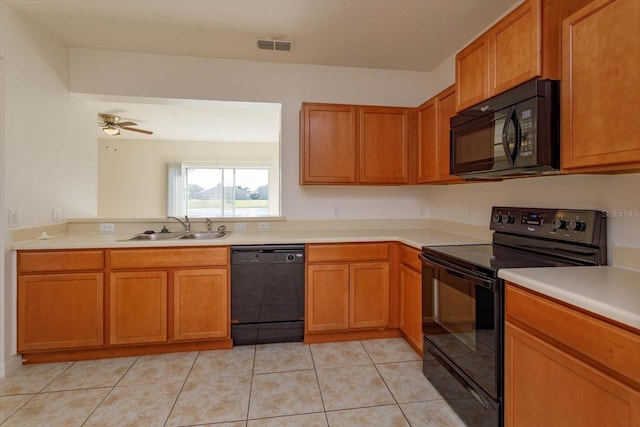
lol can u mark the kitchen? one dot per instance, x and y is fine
(33, 83)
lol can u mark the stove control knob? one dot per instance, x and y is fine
(574, 225)
(558, 224)
(507, 219)
(497, 218)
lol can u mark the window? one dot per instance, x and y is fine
(213, 191)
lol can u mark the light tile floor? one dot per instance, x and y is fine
(356, 383)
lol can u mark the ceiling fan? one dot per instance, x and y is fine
(111, 125)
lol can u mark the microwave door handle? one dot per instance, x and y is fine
(518, 142)
(510, 155)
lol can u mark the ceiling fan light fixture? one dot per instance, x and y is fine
(111, 130)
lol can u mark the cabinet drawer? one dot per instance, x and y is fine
(40, 261)
(611, 347)
(348, 252)
(167, 258)
(409, 257)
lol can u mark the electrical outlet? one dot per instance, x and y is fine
(264, 225)
(13, 218)
(241, 226)
(107, 227)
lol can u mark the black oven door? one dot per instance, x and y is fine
(464, 338)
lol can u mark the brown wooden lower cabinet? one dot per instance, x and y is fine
(138, 307)
(347, 296)
(564, 367)
(369, 295)
(156, 300)
(411, 298)
(200, 304)
(347, 287)
(327, 297)
(411, 306)
(59, 311)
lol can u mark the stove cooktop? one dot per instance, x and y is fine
(489, 258)
(531, 237)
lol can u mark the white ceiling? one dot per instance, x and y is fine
(412, 35)
(183, 120)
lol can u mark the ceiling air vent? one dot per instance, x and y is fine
(275, 45)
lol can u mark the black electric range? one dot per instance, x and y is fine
(463, 319)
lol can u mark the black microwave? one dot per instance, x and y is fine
(516, 133)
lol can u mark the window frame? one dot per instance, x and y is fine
(177, 191)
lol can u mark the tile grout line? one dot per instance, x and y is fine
(315, 372)
(33, 395)
(181, 388)
(253, 369)
(110, 391)
(387, 385)
(21, 406)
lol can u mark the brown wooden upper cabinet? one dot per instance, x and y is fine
(352, 144)
(601, 88)
(433, 138)
(523, 45)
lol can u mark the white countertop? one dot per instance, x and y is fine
(412, 237)
(611, 292)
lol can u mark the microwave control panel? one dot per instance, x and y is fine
(527, 134)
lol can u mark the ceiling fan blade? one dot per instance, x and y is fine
(148, 132)
(127, 124)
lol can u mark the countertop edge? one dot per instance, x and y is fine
(608, 291)
(415, 238)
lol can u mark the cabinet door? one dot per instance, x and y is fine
(60, 311)
(446, 110)
(601, 87)
(384, 145)
(369, 295)
(547, 387)
(428, 141)
(327, 297)
(515, 48)
(411, 305)
(472, 74)
(200, 304)
(328, 149)
(434, 152)
(138, 307)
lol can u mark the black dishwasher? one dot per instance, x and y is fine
(267, 294)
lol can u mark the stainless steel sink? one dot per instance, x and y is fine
(156, 236)
(204, 235)
(196, 235)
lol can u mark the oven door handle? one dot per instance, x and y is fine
(458, 271)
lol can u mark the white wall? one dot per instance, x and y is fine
(50, 138)
(132, 172)
(49, 144)
(159, 76)
(616, 194)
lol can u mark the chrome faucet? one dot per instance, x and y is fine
(221, 229)
(186, 224)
